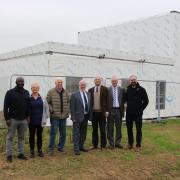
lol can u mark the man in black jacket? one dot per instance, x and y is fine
(16, 113)
(137, 100)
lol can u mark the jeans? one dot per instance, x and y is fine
(61, 125)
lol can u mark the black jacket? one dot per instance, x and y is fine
(16, 104)
(137, 100)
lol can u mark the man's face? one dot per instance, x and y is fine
(114, 82)
(82, 86)
(20, 82)
(133, 81)
(59, 84)
(97, 81)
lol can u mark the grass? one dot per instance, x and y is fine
(158, 159)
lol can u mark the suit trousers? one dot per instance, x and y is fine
(114, 118)
(129, 123)
(35, 129)
(79, 133)
(99, 119)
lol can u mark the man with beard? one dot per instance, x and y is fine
(137, 100)
(16, 113)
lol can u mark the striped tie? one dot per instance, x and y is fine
(114, 97)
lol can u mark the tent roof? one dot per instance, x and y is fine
(79, 50)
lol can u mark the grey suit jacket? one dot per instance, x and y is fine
(121, 99)
(77, 108)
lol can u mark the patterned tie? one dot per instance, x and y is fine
(86, 103)
(114, 97)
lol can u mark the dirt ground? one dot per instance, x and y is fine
(143, 167)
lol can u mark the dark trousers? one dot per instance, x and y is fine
(38, 131)
(99, 119)
(114, 118)
(129, 123)
(79, 133)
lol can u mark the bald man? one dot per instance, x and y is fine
(137, 100)
(16, 113)
(99, 96)
(116, 112)
(80, 106)
(58, 100)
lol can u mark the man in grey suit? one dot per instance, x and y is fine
(116, 112)
(80, 107)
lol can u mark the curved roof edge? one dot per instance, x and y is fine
(50, 48)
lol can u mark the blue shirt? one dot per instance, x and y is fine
(36, 112)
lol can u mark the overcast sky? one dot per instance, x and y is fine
(29, 22)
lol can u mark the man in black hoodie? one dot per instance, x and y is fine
(137, 100)
(16, 114)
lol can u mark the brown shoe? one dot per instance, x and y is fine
(111, 147)
(93, 148)
(129, 146)
(137, 149)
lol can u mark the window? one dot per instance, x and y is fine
(72, 84)
(160, 94)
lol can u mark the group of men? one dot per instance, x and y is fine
(103, 106)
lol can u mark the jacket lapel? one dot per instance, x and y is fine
(120, 94)
(79, 94)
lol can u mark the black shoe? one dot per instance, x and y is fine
(40, 154)
(32, 155)
(83, 150)
(9, 159)
(22, 157)
(77, 153)
(119, 146)
(60, 150)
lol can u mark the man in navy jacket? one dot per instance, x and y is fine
(80, 107)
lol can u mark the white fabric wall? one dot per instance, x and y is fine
(157, 35)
